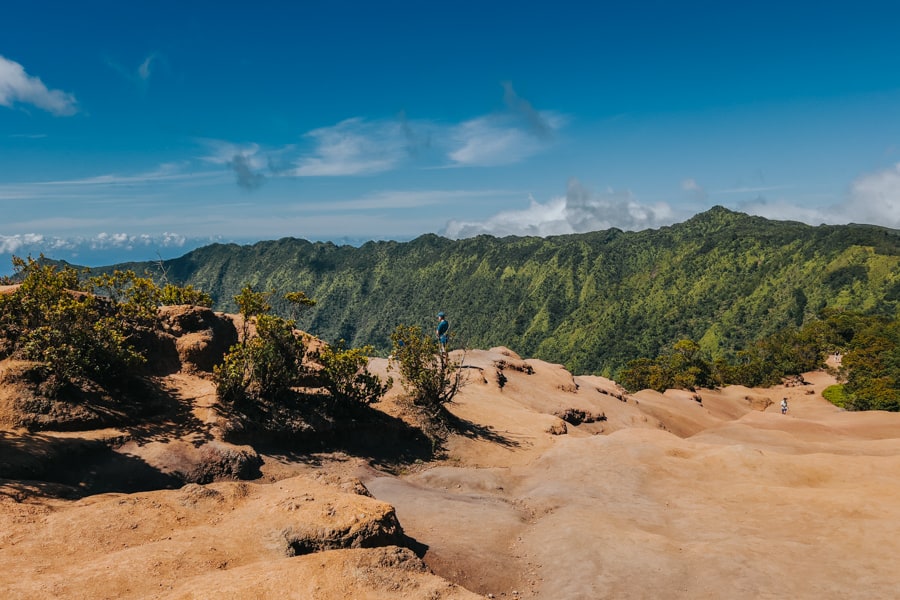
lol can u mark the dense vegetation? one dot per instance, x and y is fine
(84, 330)
(591, 301)
(270, 360)
(870, 366)
(80, 328)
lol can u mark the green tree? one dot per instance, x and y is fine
(872, 366)
(346, 376)
(174, 295)
(683, 368)
(430, 379)
(74, 334)
(136, 297)
(269, 358)
(639, 374)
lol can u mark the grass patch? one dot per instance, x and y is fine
(835, 394)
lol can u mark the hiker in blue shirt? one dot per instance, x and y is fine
(443, 327)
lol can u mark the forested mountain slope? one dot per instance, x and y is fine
(590, 301)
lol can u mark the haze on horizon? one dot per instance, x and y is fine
(136, 131)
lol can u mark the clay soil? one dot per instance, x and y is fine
(676, 495)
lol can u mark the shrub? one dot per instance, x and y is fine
(264, 365)
(346, 376)
(429, 378)
(51, 319)
(173, 295)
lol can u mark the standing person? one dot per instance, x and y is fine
(442, 332)
(784, 406)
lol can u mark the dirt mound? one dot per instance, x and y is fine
(709, 494)
(27, 401)
(170, 543)
(712, 494)
(201, 336)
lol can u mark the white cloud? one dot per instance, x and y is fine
(221, 152)
(354, 147)
(579, 211)
(35, 243)
(359, 146)
(246, 161)
(500, 139)
(10, 244)
(873, 198)
(783, 210)
(503, 138)
(488, 141)
(17, 86)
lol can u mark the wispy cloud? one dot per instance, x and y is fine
(489, 142)
(407, 199)
(165, 171)
(247, 178)
(579, 211)
(872, 198)
(696, 191)
(18, 87)
(145, 70)
(539, 124)
(359, 146)
(62, 196)
(418, 139)
(246, 161)
(139, 76)
(503, 138)
(752, 189)
(354, 147)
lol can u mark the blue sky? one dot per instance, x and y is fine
(131, 130)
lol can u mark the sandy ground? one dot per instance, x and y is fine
(668, 496)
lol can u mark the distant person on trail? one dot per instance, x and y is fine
(443, 327)
(784, 406)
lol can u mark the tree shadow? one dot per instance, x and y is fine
(169, 416)
(477, 431)
(75, 467)
(311, 426)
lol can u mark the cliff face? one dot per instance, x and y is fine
(589, 301)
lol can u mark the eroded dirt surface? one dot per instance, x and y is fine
(676, 495)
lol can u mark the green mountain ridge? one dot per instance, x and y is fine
(590, 301)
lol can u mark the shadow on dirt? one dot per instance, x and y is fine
(173, 418)
(75, 467)
(308, 425)
(479, 432)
